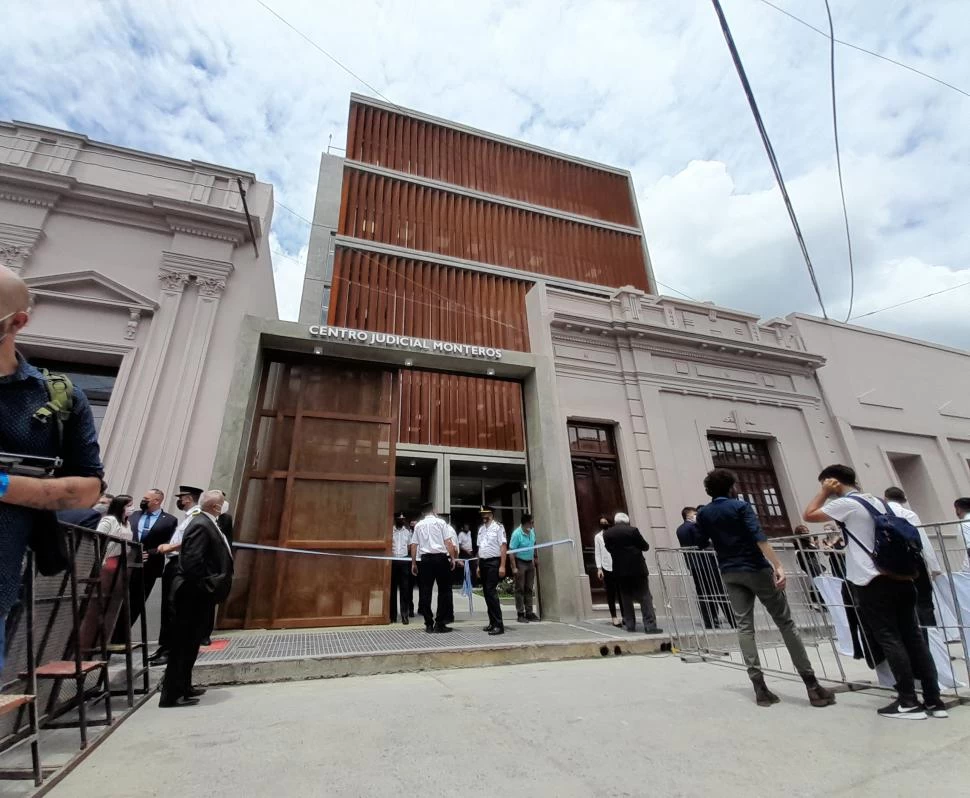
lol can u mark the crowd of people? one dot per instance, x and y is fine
(52, 474)
(875, 545)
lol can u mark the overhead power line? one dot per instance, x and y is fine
(333, 58)
(868, 52)
(838, 161)
(772, 159)
(909, 301)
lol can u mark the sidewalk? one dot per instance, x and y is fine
(272, 656)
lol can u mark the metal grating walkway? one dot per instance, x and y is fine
(263, 646)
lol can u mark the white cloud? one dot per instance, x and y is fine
(645, 86)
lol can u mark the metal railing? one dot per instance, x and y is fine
(701, 624)
(59, 646)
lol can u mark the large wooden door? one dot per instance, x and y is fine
(320, 477)
(599, 488)
(750, 461)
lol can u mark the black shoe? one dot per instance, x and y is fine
(936, 708)
(443, 629)
(404, 620)
(496, 630)
(429, 628)
(531, 616)
(393, 619)
(410, 613)
(161, 653)
(903, 711)
(522, 618)
(195, 692)
(178, 702)
(207, 642)
(488, 628)
(652, 630)
(159, 661)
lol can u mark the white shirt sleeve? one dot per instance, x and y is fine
(598, 550)
(839, 509)
(965, 528)
(501, 530)
(929, 554)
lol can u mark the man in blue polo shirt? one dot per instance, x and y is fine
(522, 547)
(750, 569)
(23, 390)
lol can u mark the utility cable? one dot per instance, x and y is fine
(772, 159)
(838, 161)
(914, 299)
(868, 52)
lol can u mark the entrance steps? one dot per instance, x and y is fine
(255, 657)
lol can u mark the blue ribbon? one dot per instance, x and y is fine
(466, 586)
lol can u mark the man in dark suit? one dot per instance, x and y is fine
(224, 522)
(626, 546)
(203, 580)
(151, 526)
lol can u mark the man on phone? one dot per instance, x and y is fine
(750, 569)
(69, 434)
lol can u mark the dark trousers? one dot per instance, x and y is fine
(207, 635)
(888, 609)
(490, 579)
(192, 610)
(168, 605)
(609, 582)
(635, 589)
(525, 583)
(400, 588)
(434, 569)
(139, 589)
(711, 594)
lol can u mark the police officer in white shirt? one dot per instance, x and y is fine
(962, 508)
(186, 500)
(436, 542)
(492, 549)
(400, 570)
(886, 603)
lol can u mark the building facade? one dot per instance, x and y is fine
(480, 324)
(142, 268)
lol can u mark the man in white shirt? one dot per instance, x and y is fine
(925, 610)
(886, 604)
(604, 569)
(492, 550)
(962, 508)
(465, 543)
(400, 569)
(436, 542)
(186, 500)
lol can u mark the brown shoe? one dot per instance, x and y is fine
(819, 696)
(762, 695)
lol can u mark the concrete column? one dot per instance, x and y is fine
(121, 467)
(563, 586)
(194, 355)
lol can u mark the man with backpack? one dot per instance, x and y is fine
(882, 551)
(41, 416)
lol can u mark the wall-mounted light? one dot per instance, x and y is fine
(490, 372)
(318, 350)
(414, 463)
(409, 362)
(484, 468)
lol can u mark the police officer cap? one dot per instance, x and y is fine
(486, 509)
(186, 490)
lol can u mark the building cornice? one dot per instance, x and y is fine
(68, 195)
(453, 188)
(361, 99)
(682, 341)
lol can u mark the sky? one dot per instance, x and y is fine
(646, 85)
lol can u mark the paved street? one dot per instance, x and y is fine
(628, 726)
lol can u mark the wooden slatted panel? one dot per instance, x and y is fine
(497, 235)
(381, 137)
(408, 297)
(440, 409)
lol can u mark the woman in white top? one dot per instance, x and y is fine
(115, 523)
(604, 568)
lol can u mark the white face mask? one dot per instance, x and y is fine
(9, 315)
(225, 508)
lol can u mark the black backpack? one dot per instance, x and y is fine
(898, 547)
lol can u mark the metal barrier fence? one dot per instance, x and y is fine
(59, 645)
(701, 623)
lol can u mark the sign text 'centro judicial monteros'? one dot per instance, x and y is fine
(410, 342)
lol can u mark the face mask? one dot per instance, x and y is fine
(144, 505)
(225, 508)
(604, 525)
(9, 315)
(178, 503)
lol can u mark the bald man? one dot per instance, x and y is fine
(77, 484)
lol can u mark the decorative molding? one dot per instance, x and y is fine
(174, 282)
(134, 316)
(14, 256)
(218, 234)
(121, 295)
(210, 286)
(195, 266)
(41, 199)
